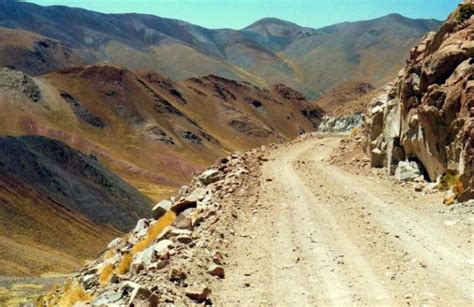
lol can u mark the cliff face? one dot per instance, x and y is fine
(426, 114)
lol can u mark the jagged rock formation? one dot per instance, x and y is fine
(426, 114)
(171, 259)
(341, 124)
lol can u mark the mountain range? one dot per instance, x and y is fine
(267, 52)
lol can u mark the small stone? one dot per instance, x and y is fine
(139, 297)
(89, 281)
(115, 243)
(184, 239)
(107, 298)
(183, 222)
(162, 247)
(216, 270)
(199, 294)
(419, 188)
(176, 275)
(218, 258)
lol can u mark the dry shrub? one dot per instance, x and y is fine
(154, 232)
(106, 273)
(71, 293)
(124, 264)
(150, 237)
(451, 181)
(109, 254)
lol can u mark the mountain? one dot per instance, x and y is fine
(58, 206)
(268, 52)
(124, 108)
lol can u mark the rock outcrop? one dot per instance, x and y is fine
(341, 124)
(426, 114)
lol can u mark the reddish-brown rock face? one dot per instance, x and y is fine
(427, 113)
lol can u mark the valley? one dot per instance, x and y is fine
(148, 161)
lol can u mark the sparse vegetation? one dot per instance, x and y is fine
(109, 254)
(124, 264)
(451, 181)
(106, 273)
(71, 293)
(465, 12)
(151, 236)
(154, 231)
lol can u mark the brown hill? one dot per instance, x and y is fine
(155, 133)
(344, 98)
(58, 206)
(32, 53)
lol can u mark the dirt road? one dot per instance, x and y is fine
(318, 235)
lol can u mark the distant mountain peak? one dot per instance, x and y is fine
(272, 21)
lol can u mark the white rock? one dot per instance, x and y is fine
(407, 171)
(141, 229)
(163, 247)
(114, 243)
(210, 176)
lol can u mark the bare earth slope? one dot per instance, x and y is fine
(58, 206)
(313, 234)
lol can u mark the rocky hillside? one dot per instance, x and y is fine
(33, 53)
(173, 257)
(426, 115)
(268, 52)
(58, 206)
(343, 98)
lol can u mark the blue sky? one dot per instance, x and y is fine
(237, 14)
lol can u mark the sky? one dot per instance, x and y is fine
(237, 14)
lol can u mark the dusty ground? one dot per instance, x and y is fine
(312, 233)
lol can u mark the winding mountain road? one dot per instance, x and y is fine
(319, 235)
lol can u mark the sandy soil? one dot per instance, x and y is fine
(313, 234)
